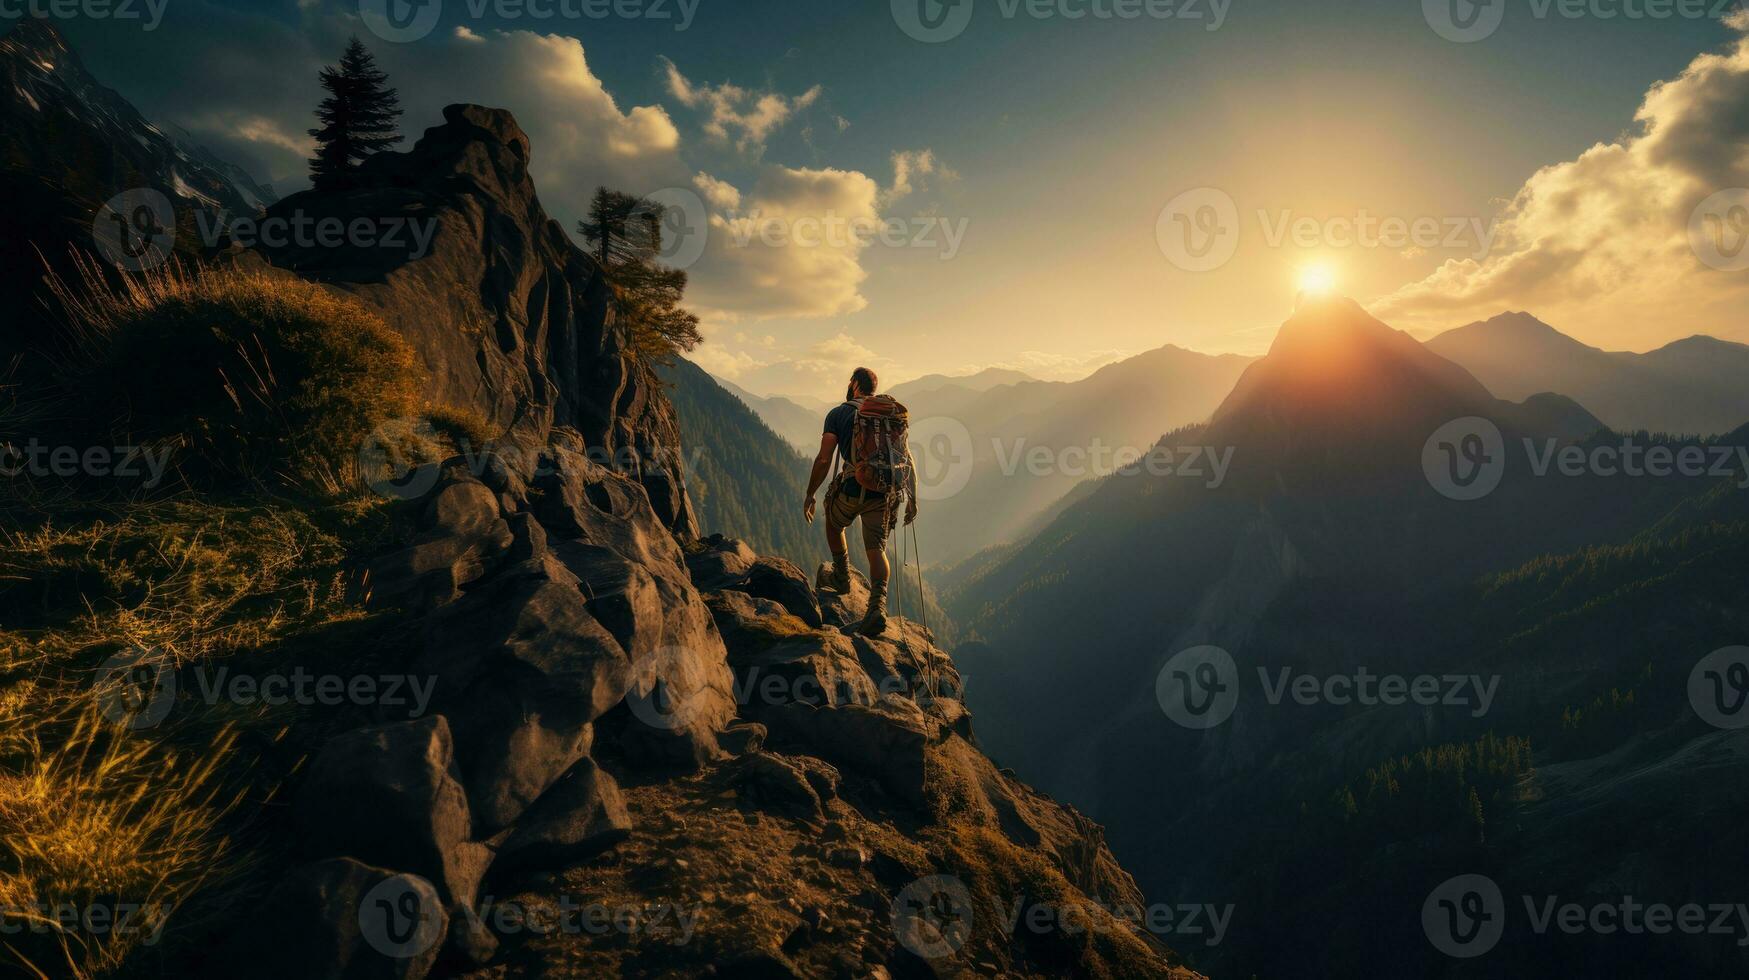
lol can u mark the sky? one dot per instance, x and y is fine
(1050, 185)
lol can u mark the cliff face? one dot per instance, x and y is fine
(684, 735)
(509, 317)
(623, 717)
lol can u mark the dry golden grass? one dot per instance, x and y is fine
(248, 376)
(92, 813)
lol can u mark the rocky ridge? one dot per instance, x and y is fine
(621, 713)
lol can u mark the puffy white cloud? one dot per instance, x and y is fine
(1604, 242)
(813, 370)
(718, 194)
(736, 114)
(582, 138)
(793, 250)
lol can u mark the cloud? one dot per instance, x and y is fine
(731, 365)
(736, 114)
(910, 167)
(1603, 242)
(582, 138)
(792, 250)
(718, 194)
(815, 370)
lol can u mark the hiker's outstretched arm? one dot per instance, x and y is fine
(822, 464)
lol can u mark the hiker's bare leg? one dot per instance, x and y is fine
(835, 541)
(877, 566)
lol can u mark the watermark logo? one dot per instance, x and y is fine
(1206, 922)
(1198, 231)
(652, 698)
(1465, 459)
(1465, 916)
(1718, 230)
(941, 452)
(1718, 688)
(389, 471)
(401, 917)
(1199, 687)
(135, 230)
(1464, 21)
(932, 917)
(933, 21)
(685, 225)
(135, 689)
(401, 21)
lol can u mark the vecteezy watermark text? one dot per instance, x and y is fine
(835, 231)
(98, 919)
(143, 463)
(138, 689)
(407, 236)
(1465, 917)
(1200, 230)
(1469, 21)
(150, 13)
(1466, 459)
(938, 21)
(1199, 688)
(403, 21)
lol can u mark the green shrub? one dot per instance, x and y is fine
(250, 377)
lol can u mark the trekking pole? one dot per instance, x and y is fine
(923, 611)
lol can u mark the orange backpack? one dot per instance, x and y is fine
(879, 458)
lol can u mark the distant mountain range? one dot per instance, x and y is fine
(54, 109)
(68, 144)
(745, 481)
(799, 425)
(1331, 549)
(993, 459)
(1698, 386)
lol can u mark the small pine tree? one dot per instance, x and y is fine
(625, 233)
(359, 118)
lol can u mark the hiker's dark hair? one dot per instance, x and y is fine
(861, 378)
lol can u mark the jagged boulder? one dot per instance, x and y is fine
(791, 786)
(637, 586)
(580, 816)
(390, 795)
(841, 609)
(522, 671)
(717, 562)
(748, 625)
(817, 668)
(344, 918)
(782, 582)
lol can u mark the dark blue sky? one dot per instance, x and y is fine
(1064, 138)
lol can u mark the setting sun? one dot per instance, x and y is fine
(1317, 279)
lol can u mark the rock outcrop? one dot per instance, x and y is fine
(622, 715)
(587, 691)
(509, 317)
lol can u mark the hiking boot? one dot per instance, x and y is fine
(874, 622)
(838, 580)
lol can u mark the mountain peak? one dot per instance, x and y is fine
(35, 36)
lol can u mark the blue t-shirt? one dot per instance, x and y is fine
(841, 422)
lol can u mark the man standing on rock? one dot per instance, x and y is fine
(881, 429)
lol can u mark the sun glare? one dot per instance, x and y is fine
(1317, 280)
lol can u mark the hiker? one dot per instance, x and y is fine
(867, 436)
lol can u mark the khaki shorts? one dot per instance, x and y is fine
(842, 510)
